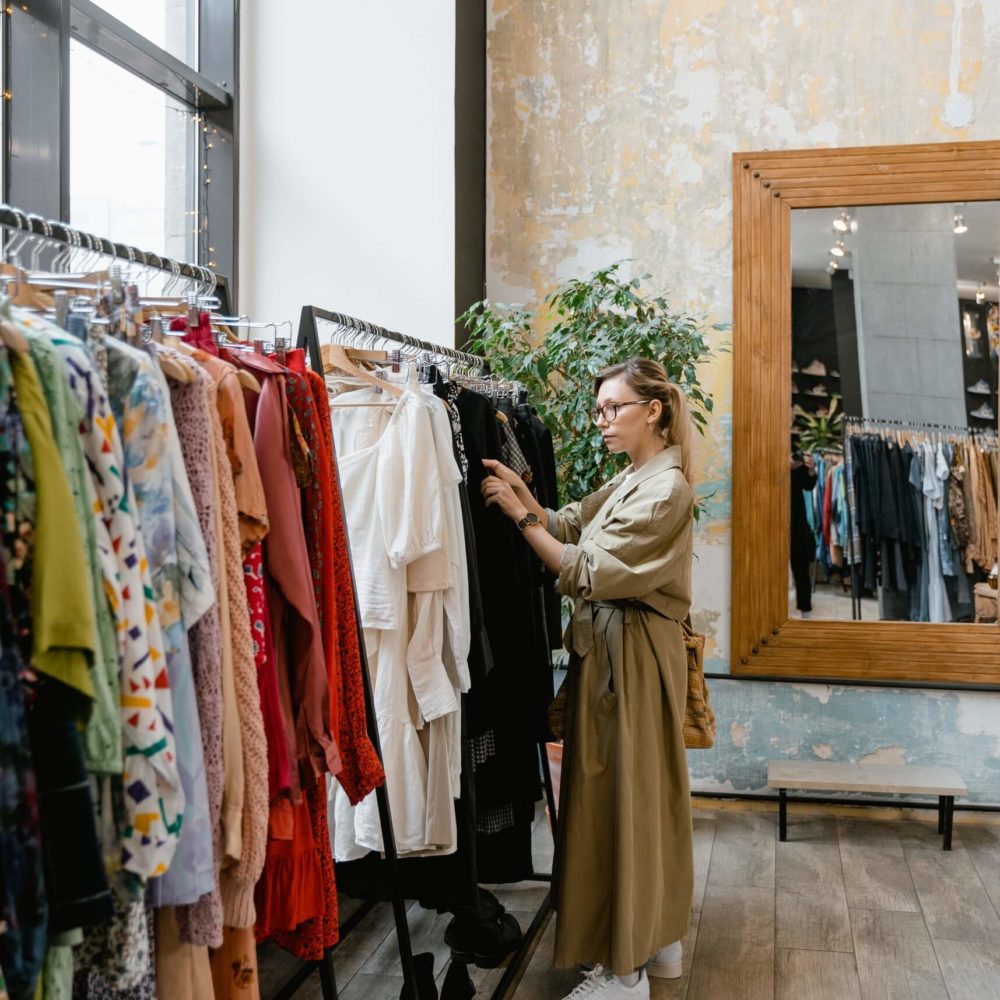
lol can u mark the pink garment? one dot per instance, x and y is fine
(279, 775)
(201, 922)
(298, 641)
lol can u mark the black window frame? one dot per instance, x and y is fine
(36, 93)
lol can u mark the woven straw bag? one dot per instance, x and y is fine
(699, 719)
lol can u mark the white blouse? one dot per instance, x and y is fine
(397, 491)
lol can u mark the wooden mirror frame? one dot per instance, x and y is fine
(765, 641)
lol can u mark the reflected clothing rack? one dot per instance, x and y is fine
(936, 434)
(308, 339)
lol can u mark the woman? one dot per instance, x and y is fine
(624, 867)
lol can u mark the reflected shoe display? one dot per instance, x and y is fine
(795, 365)
(981, 388)
(816, 368)
(834, 373)
(667, 963)
(817, 390)
(984, 412)
(599, 984)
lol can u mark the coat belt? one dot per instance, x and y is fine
(584, 613)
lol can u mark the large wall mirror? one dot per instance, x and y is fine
(866, 341)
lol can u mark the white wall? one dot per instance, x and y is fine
(347, 162)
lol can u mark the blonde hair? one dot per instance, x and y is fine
(649, 380)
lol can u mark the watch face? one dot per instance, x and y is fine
(529, 519)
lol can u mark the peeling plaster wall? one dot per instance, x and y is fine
(611, 125)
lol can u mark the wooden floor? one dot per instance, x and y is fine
(850, 908)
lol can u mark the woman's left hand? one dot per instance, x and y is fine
(499, 493)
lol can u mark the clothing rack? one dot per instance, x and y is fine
(873, 425)
(855, 426)
(61, 233)
(308, 338)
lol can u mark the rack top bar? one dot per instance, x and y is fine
(353, 323)
(61, 232)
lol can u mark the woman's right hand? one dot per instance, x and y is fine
(498, 469)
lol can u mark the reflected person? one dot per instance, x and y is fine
(803, 541)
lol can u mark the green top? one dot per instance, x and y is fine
(103, 736)
(62, 609)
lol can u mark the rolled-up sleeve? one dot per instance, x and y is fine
(564, 524)
(631, 555)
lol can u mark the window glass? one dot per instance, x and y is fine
(132, 159)
(171, 24)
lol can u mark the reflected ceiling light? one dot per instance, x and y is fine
(832, 267)
(842, 223)
(838, 249)
(980, 293)
(960, 226)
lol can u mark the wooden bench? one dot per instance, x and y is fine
(821, 775)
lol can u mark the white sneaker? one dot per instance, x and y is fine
(981, 388)
(667, 963)
(985, 412)
(599, 984)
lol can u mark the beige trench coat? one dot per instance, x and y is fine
(624, 873)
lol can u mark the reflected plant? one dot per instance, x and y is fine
(820, 433)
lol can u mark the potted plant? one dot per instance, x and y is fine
(586, 325)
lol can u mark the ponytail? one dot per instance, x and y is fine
(649, 379)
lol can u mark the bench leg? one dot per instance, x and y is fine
(949, 820)
(941, 811)
(782, 815)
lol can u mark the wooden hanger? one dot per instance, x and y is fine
(336, 358)
(12, 338)
(174, 369)
(246, 378)
(25, 295)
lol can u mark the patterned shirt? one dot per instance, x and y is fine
(154, 799)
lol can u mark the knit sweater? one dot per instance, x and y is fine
(201, 922)
(238, 880)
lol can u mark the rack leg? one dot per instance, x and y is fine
(782, 814)
(327, 979)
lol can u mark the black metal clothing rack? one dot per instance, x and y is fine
(60, 232)
(308, 338)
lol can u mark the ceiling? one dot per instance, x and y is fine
(813, 235)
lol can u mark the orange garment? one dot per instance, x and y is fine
(250, 500)
(362, 770)
(290, 892)
(234, 966)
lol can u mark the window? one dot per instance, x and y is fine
(119, 118)
(143, 193)
(170, 24)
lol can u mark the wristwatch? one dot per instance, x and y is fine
(528, 520)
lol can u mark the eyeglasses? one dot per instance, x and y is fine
(609, 411)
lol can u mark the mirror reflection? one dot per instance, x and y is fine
(893, 456)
